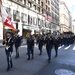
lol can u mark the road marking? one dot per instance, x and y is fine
(24, 46)
(67, 47)
(60, 47)
(64, 72)
(74, 48)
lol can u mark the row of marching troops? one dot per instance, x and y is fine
(48, 40)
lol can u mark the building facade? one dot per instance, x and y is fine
(55, 15)
(70, 22)
(65, 18)
(29, 16)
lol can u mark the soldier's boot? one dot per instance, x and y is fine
(32, 56)
(40, 52)
(11, 64)
(8, 68)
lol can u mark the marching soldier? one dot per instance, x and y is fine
(30, 47)
(17, 42)
(40, 42)
(56, 45)
(8, 49)
(49, 45)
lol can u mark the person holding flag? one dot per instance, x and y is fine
(8, 41)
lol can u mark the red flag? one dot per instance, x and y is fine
(6, 19)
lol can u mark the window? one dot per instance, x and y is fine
(41, 3)
(46, 7)
(41, 22)
(29, 19)
(8, 10)
(29, 4)
(42, 11)
(39, 9)
(25, 2)
(48, 2)
(20, 1)
(24, 18)
(34, 7)
(16, 15)
(16, 25)
(38, 1)
(35, 0)
(38, 22)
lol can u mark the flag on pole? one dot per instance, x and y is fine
(6, 19)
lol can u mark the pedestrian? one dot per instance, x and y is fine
(49, 45)
(17, 42)
(8, 49)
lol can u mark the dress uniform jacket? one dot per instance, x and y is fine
(56, 42)
(9, 43)
(17, 41)
(49, 42)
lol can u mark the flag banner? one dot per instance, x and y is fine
(48, 17)
(6, 19)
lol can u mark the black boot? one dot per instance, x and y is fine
(11, 64)
(40, 53)
(32, 57)
(28, 59)
(8, 68)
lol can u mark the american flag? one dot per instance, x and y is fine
(48, 17)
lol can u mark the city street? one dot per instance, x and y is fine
(64, 64)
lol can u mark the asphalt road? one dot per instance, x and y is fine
(64, 64)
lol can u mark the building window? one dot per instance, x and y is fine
(38, 9)
(17, 25)
(29, 19)
(20, 1)
(41, 3)
(34, 7)
(48, 2)
(25, 2)
(38, 22)
(46, 7)
(38, 1)
(24, 18)
(41, 22)
(8, 10)
(29, 4)
(42, 11)
(16, 15)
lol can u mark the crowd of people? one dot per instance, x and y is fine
(48, 40)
